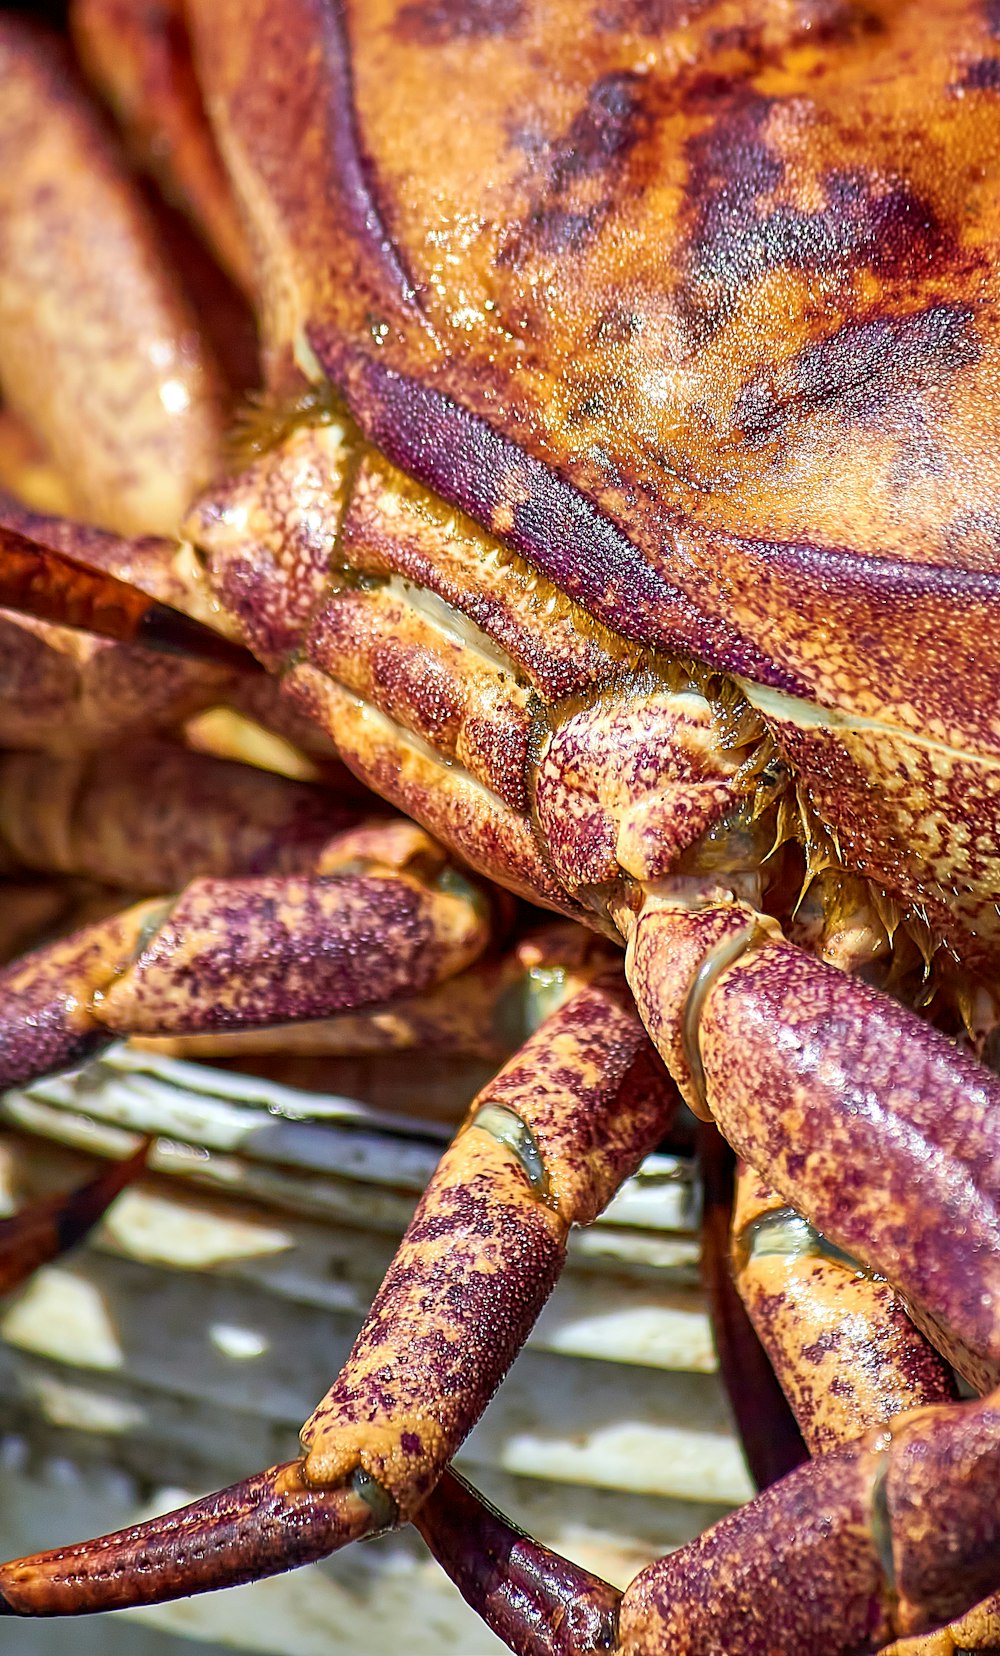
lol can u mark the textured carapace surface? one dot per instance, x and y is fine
(700, 317)
(725, 268)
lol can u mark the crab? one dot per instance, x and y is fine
(621, 504)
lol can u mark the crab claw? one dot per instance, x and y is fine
(262, 1526)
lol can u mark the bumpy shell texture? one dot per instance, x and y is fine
(695, 305)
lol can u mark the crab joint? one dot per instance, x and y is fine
(725, 953)
(383, 1508)
(785, 1232)
(880, 1519)
(508, 1128)
(565, 1121)
(847, 1355)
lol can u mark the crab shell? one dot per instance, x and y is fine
(695, 307)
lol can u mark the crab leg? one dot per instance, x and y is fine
(252, 951)
(772, 1442)
(110, 371)
(140, 59)
(897, 1533)
(52, 1224)
(197, 816)
(846, 1353)
(848, 1356)
(859, 1114)
(545, 1147)
(486, 1012)
(813, 1310)
(539, 1603)
(54, 586)
(81, 816)
(62, 688)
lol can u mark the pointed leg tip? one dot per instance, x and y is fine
(269, 1523)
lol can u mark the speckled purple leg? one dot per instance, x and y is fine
(259, 1527)
(863, 1117)
(848, 1356)
(539, 1603)
(546, 1145)
(382, 916)
(894, 1534)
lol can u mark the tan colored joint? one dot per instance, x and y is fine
(786, 1233)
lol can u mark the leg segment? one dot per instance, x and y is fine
(897, 1533)
(486, 1012)
(546, 1145)
(49, 1226)
(862, 1116)
(894, 1533)
(193, 816)
(110, 372)
(772, 1442)
(62, 688)
(140, 59)
(267, 950)
(537, 1602)
(55, 586)
(848, 1356)
(841, 1343)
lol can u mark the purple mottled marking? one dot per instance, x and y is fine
(36, 1039)
(610, 123)
(861, 370)
(565, 536)
(646, 17)
(822, 1346)
(982, 76)
(438, 22)
(551, 230)
(991, 14)
(734, 242)
(596, 144)
(874, 1076)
